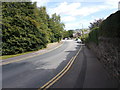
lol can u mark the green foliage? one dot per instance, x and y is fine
(68, 33)
(110, 27)
(84, 37)
(25, 27)
(92, 36)
(94, 33)
(56, 28)
(95, 24)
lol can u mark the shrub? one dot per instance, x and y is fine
(92, 36)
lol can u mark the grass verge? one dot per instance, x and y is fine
(10, 56)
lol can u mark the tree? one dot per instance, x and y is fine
(25, 27)
(67, 34)
(56, 27)
(95, 24)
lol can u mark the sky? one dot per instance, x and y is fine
(77, 14)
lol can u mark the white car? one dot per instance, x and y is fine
(79, 41)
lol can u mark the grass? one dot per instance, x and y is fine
(10, 56)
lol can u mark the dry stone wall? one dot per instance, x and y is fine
(108, 52)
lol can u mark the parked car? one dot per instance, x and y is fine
(76, 39)
(79, 41)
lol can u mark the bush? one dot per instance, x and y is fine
(92, 36)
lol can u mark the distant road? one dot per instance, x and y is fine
(36, 71)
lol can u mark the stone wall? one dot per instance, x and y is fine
(108, 52)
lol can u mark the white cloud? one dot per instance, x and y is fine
(77, 25)
(69, 12)
(68, 18)
(65, 8)
(69, 25)
(84, 11)
(72, 25)
(41, 2)
(112, 3)
(75, 9)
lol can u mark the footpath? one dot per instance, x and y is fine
(50, 47)
(86, 72)
(96, 75)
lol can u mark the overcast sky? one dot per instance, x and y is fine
(75, 13)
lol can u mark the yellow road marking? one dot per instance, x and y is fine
(59, 75)
(4, 63)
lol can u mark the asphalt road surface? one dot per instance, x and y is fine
(86, 71)
(36, 71)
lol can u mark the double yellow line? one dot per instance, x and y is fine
(25, 58)
(59, 75)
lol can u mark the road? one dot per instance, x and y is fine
(36, 71)
(85, 72)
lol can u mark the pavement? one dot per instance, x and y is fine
(86, 72)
